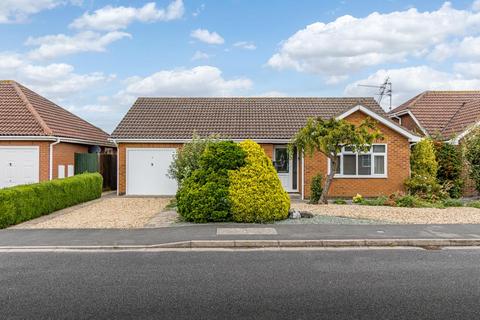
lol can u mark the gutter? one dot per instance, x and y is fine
(51, 157)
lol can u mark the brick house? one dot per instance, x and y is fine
(447, 115)
(38, 139)
(154, 128)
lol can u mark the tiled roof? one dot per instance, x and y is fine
(25, 113)
(444, 112)
(234, 118)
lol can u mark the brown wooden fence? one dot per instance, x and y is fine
(105, 164)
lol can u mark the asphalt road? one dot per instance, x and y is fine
(353, 284)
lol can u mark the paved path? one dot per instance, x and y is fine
(12, 237)
(348, 284)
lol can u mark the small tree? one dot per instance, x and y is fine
(449, 172)
(472, 154)
(329, 136)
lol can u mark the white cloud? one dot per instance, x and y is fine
(114, 18)
(468, 69)
(407, 82)
(56, 80)
(52, 46)
(12, 11)
(272, 93)
(245, 45)
(349, 44)
(199, 10)
(198, 81)
(476, 5)
(200, 55)
(468, 47)
(206, 36)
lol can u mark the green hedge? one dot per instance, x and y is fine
(22, 203)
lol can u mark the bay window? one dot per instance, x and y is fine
(362, 164)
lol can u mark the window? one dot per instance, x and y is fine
(369, 164)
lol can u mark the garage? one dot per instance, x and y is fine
(18, 165)
(147, 170)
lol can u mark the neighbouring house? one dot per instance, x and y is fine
(38, 139)
(445, 115)
(154, 128)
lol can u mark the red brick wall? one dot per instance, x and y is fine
(64, 154)
(43, 153)
(398, 168)
(408, 122)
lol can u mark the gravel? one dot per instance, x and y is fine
(105, 213)
(461, 215)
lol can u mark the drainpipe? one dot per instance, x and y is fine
(51, 158)
(118, 167)
(303, 177)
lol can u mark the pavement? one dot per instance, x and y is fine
(251, 235)
(338, 284)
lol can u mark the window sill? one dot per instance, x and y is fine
(360, 177)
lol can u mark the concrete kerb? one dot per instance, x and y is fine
(258, 244)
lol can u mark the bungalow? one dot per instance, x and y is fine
(446, 115)
(154, 128)
(38, 139)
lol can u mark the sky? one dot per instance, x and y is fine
(95, 57)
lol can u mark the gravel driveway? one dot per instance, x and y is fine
(107, 212)
(396, 215)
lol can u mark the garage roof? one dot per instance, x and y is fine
(25, 113)
(233, 118)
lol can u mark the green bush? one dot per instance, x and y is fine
(449, 173)
(472, 154)
(316, 189)
(204, 195)
(422, 159)
(22, 203)
(425, 187)
(256, 193)
(474, 204)
(339, 201)
(380, 201)
(452, 203)
(407, 201)
(186, 160)
(411, 201)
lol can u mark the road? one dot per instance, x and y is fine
(342, 284)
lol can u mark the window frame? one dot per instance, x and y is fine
(372, 154)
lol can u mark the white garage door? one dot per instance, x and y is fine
(18, 165)
(147, 170)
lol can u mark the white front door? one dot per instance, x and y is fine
(18, 165)
(283, 166)
(147, 170)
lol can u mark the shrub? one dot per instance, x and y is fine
(474, 204)
(22, 203)
(411, 201)
(449, 171)
(472, 154)
(256, 193)
(407, 201)
(316, 189)
(422, 159)
(452, 203)
(204, 195)
(186, 160)
(339, 201)
(380, 201)
(357, 199)
(425, 187)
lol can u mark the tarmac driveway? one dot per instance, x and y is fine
(108, 212)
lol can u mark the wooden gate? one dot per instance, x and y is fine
(105, 164)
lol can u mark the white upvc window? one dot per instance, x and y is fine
(371, 164)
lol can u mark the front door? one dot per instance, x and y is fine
(285, 167)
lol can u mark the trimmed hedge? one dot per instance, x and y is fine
(26, 202)
(256, 193)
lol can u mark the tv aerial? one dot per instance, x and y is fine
(385, 89)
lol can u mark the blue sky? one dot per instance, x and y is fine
(95, 57)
